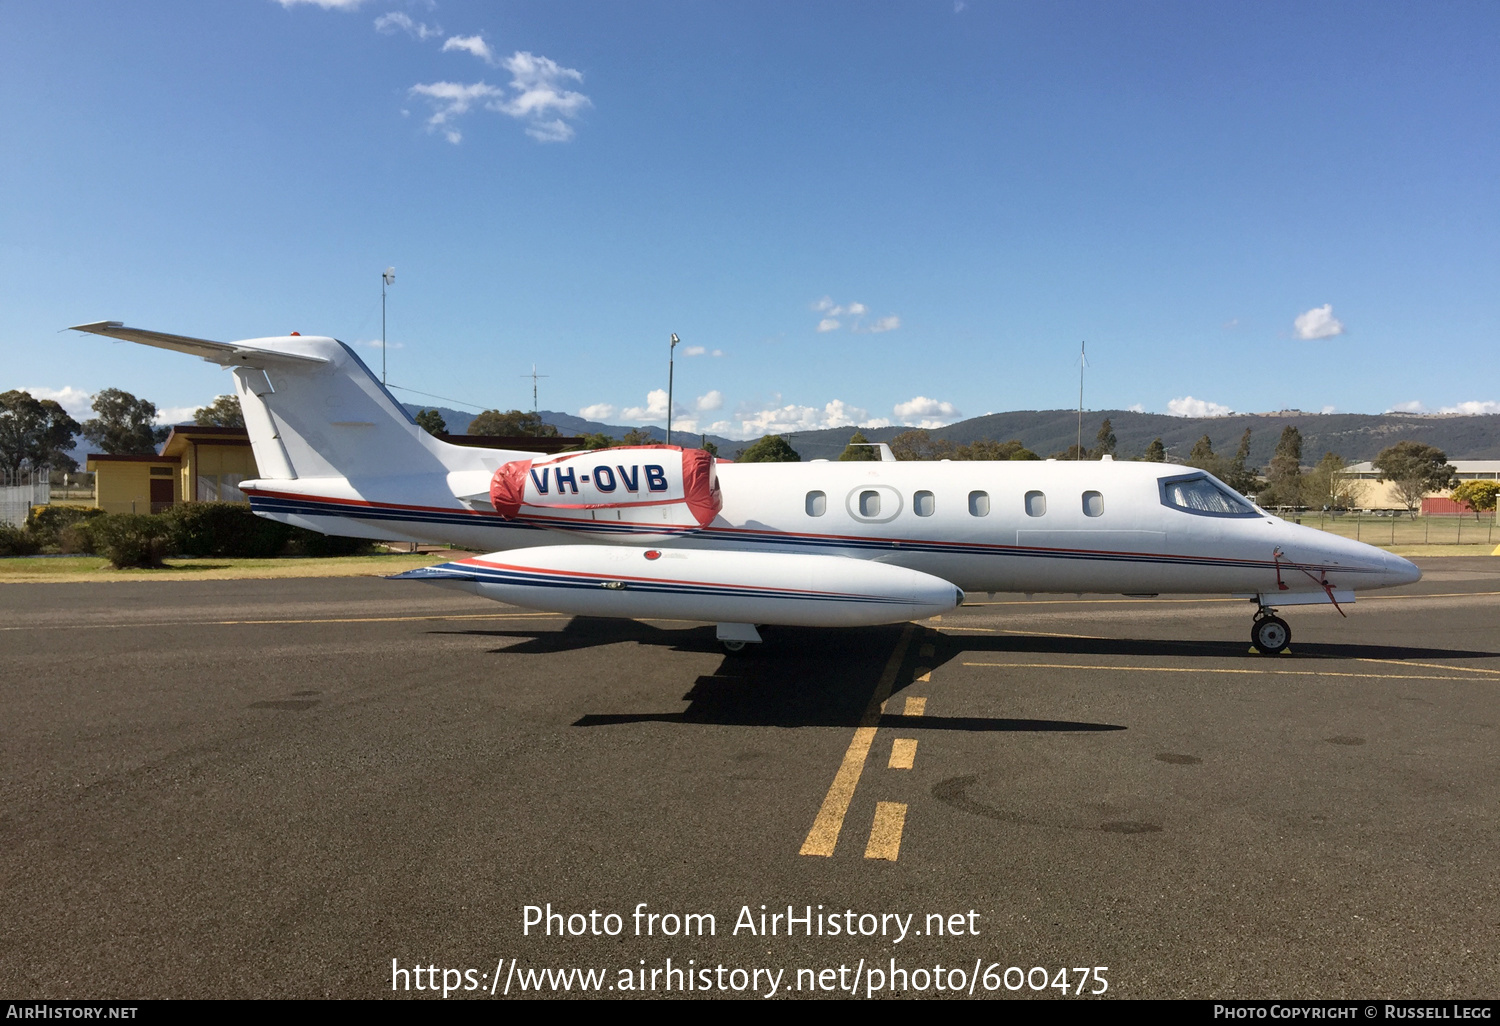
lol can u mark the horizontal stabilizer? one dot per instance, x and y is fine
(223, 353)
(445, 572)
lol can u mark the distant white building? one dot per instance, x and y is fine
(1379, 494)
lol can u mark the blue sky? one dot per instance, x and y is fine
(849, 212)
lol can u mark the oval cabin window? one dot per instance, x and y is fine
(979, 504)
(922, 504)
(1036, 504)
(869, 504)
(817, 504)
(1093, 504)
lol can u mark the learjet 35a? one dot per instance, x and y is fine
(663, 532)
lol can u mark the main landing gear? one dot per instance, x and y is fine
(1269, 634)
(733, 637)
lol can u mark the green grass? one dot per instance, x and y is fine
(97, 568)
(1404, 532)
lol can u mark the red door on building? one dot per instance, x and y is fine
(161, 494)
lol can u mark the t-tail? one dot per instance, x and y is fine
(336, 452)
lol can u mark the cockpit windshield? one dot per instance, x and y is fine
(1204, 496)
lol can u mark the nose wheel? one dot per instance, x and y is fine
(1270, 635)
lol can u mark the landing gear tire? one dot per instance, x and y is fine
(1270, 635)
(733, 647)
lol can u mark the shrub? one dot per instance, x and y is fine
(311, 543)
(46, 523)
(224, 529)
(16, 541)
(131, 539)
(77, 538)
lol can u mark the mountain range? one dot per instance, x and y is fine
(1353, 436)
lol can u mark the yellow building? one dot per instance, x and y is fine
(197, 464)
(1377, 494)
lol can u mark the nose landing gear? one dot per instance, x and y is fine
(1269, 634)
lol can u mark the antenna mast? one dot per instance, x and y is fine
(1083, 361)
(534, 409)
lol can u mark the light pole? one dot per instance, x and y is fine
(387, 278)
(671, 355)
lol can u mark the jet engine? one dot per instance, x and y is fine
(634, 490)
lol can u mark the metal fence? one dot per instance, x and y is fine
(1392, 527)
(21, 490)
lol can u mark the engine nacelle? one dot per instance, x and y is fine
(636, 491)
(791, 588)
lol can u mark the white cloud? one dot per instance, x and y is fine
(541, 90)
(375, 343)
(1329, 409)
(539, 95)
(598, 411)
(1136, 408)
(781, 419)
(1410, 406)
(395, 21)
(75, 400)
(693, 351)
(655, 408)
(556, 130)
(177, 414)
(714, 400)
(832, 311)
(470, 44)
(926, 413)
(1319, 322)
(327, 5)
(1187, 406)
(717, 352)
(1473, 408)
(452, 100)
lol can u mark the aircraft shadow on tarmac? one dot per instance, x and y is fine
(801, 677)
(805, 677)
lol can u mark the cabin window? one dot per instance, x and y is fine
(869, 503)
(1204, 496)
(1093, 504)
(817, 504)
(979, 504)
(922, 504)
(1036, 504)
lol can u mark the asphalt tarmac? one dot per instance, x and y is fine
(276, 788)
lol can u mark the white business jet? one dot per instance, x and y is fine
(662, 532)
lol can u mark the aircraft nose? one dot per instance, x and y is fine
(1401, 571)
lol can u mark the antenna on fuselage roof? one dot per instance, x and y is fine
(1083, 361)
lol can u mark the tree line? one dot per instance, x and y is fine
(38, 434)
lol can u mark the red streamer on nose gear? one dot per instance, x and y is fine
(1321, 581)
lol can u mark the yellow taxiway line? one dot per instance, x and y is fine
(241, 623)
(824, 835)
(1194, 669)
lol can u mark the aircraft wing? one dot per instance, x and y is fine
(225, 353)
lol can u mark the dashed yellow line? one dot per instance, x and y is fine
(903, 753)
(885, 833)
(1194, 669)
(915, 706)
(824, 835)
